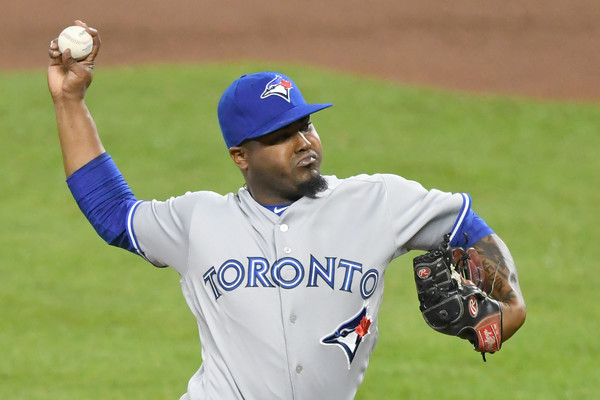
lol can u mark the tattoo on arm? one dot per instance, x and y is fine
(499, 268)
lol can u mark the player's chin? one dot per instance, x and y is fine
(312, 186)
(306, 175)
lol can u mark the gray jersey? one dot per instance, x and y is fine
(287, 305)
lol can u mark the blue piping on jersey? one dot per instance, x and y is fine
(131, 231)
(469, 227)
(461, 216)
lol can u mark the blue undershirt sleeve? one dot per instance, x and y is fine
(472, 229)
(105, 199)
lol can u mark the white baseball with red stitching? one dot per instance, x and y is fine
(78, 40)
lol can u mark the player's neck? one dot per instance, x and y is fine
(268, 198)
(277, 209)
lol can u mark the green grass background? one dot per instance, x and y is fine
(81, 320)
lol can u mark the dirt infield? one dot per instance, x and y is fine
(537, 48)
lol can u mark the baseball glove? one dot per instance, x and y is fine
(450, 286)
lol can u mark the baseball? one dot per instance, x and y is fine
(78, 40)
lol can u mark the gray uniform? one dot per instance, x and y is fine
(287, 305)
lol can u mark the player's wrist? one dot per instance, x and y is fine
(69, 103)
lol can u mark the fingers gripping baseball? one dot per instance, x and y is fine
(67, 77)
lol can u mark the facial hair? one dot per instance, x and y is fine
(312, 187)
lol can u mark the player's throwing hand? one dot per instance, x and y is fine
(68, 78)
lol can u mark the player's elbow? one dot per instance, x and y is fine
(521, 314)
(110, 224)
(513, 318)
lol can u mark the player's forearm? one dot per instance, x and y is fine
(500, 269)
(78, 135)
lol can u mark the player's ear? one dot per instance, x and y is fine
(239, 156)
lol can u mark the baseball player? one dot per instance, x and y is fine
(284, 277)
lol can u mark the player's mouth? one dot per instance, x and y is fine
(308, 159)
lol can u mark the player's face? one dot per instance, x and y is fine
(284, 165)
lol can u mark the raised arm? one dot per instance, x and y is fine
(500, 269)
(93, 178)
(68, 81)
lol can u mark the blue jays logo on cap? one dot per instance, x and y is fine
(350, 334)
(252, 106)
(278, 87)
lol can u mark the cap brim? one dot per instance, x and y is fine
(286, 118)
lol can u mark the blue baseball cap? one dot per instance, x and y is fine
(261, 103)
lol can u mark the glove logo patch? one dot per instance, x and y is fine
(473, 308)
(490, 337)
(350, 334)
(423, 272)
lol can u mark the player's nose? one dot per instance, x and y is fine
(302, 141)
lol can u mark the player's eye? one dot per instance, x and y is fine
(307, 127)
(286, 133)
(275, 138)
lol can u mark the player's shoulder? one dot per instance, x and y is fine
(370, 180)
(188, 201)
(385, 187)
(334, 181)
(198, 196)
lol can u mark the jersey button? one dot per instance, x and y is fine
(299, 369)
(283, 227)
(293, 318)
(287, 250)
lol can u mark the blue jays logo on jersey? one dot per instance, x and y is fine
(278, 87)
(350, 334)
